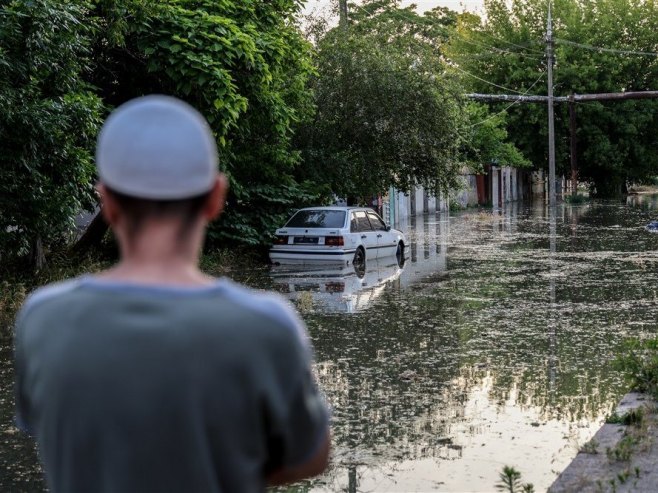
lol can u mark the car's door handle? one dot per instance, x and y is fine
(363, 237)
(379, 236)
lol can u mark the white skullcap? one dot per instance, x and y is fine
(158, 148)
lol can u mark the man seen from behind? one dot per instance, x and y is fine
(152, 376)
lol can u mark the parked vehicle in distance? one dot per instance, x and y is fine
(337, 235)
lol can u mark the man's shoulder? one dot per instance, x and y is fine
(268, 305)
(49, 293)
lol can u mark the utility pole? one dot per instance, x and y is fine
(572, 100)
(573, 146)
(576, 98)
(551, 123)
(342, 6)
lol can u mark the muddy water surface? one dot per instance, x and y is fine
(491, 346)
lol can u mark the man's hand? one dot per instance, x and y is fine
(314, 466)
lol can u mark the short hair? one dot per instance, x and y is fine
(138, 211)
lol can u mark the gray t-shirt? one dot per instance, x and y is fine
(132, 388)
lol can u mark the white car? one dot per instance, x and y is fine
(338, 235)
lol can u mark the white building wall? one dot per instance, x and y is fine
(508, 184)
(495, 189)
(418, 198)
(515, 186)
(402, 208)
(431, 204)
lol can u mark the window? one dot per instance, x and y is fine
(360, 222)
(376, 221)
(320, 218)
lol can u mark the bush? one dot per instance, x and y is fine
(576, 199)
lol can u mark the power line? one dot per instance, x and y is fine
(477, 43)
(489, 82)
(605, 50)
(510, 43)
(541, 76)
(494, 48)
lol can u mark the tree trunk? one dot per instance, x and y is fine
(37, 255)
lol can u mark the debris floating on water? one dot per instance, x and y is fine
(652, 227)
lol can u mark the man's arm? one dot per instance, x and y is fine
(312, 467)
(297, 416)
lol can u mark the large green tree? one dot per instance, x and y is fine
(63, 65)
(387, 113)
(503, 51)
(48, 121)
(244, 65)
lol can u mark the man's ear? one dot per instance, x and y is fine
(217, 198)
(109, 207)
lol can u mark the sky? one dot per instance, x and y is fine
(423, 5)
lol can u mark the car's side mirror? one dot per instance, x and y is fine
(388, 227)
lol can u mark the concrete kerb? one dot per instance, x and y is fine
(620, 458)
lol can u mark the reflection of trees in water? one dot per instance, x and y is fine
(375, 419)
(400, 374)
(643, 201)
(383, 419)
(528, 325)
(575, 399)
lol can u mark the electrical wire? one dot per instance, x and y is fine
(495, 49)
(605, 50)
(541, 76)
(489, 82)
(494, 38)
(479, 43)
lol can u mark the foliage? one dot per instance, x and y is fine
(510, 481)
(623, 450)
(48, 121)
(12, 296)
(639, 363)
(632, 417)
(244, 65)
(576, 199)
(616, 139)
(386, 113)
(591, 447)
(488, 141)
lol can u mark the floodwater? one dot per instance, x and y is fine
(491, 346)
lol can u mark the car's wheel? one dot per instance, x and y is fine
(359, 261)
(399, 254)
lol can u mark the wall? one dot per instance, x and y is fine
(505, 185)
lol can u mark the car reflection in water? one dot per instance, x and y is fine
(336, 289)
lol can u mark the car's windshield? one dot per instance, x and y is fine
(321, 218)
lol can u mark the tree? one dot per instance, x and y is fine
(387, 114)
(488, 141)
(616, 140)
(48, 121)
(244, 65)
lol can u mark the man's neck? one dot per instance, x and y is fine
(159, 256)
(155, 273)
